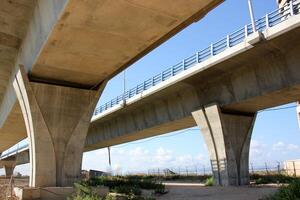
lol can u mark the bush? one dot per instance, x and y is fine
(209, 182)
(83, 192)
(126, 189)
(271, 178)
(160, 189)
(290, 192)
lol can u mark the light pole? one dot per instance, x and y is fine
(252, 15)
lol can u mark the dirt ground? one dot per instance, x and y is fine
(185, 191)
(5, 189)
(199, 192)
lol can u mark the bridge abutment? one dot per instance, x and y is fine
(57, 119)
(227, 137)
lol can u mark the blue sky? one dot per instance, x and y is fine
(276, 135)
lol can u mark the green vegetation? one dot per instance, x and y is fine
(133, 183)
(272, 178)
(289, 192)
(84, 192)
(129, 187)
(209, 182)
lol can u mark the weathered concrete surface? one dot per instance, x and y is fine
(82, 43)
(57, 120)
(243, 79)
(227, 137)
(9, 166)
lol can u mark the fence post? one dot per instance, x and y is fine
(246, 31)
(187, 171)
(295, 173)
(266, 168)
(267, 21)
(197, 56)
(291, 8)
(228, 41)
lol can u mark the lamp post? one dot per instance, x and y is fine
(252, 15)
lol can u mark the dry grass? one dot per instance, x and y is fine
(5, 189)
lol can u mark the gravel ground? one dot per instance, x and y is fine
(214, 193)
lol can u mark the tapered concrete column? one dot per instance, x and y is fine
(9, 166)
(227, 137)
(57, 120)
(9, 170)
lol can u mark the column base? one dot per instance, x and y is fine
(51, 193)
(48, 193)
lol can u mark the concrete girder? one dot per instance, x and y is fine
(227, 137)
(57, 120)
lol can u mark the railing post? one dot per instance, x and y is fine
(246, 31)
(267, 21)
(152, 81)
(172, 71)
(162, 76)
(212, 50)
(228, 41)
(291, 7)
(183, 64)
(197, 57)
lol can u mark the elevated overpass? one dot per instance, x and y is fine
(67, 51)
(220, 89)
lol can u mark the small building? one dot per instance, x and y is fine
(292, 167)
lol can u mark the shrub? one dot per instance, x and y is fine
(272, 178)
(209, 182)
(126, 189)
(290, 192)
(160, 189)
(83, 192)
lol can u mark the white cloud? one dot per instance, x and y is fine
(140, 159)
(281, 146)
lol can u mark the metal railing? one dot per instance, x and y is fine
(269, 20)
(15, 151)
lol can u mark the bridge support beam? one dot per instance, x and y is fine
(57, 119)
(227, 137)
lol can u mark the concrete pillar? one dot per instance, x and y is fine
(57, 119)
(9, 166)
(9, 170)
(227, 137)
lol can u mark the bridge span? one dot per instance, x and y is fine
(220, 89)
(55, 60)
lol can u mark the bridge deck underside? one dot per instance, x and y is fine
(87, 43)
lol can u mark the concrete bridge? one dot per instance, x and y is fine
(55, 59)
(220, 89)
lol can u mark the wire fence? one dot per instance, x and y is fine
(264, 169)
